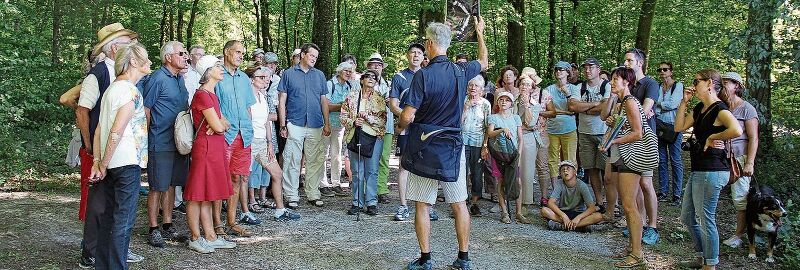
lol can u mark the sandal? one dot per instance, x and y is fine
(220, 230)
(240, 231)
(621, 255)
(255, 208)
(267, 203)
(627, 263)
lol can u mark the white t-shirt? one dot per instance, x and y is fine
(90, 88)
(591, 124)
(192, 82)
(260, 112)
(132, 148)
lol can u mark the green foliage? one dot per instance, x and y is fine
(790, 237)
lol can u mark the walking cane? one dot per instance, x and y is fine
(362, 195)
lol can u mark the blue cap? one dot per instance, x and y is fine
(562, 64)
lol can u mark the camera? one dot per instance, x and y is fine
(690, 144)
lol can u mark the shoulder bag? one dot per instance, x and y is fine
(361, 143)
(736, 167)
(640, 155)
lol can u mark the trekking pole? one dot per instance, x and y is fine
(358, 199)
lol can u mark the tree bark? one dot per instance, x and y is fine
(620, 33)
(760, 17)
(551, 37)
(427, 16)
(190, 26)
(339, 46)
(55, 48)
(171, 23)
(179, 29)
(645, 27)
(163, 24)
(285, 33)
(266, 35)
(295, 26)
(574, 55)
(323, 33)
(516, 35)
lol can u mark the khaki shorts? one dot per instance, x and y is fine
(421, 189)
(590, 156)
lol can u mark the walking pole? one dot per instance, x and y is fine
(361, 180)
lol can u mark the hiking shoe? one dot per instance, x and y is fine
(504, 218)
(402, 213)
(292, 205)
(86, 262)
(372, 210)
(200, 246)
(521, 219)
(181, 208)
(317, 203)
(172, 234)
(353, 210)
(155, 239)
(220, 243)
(554, 226)
(662, 197)
(415, 265)
(733, 242)
(339, 191)
(461, 264)
(288, 215)
(495, 208)
(249, 219)
(133, 257)
(650, 235)
(327, 192)
(474, 210)
(433, 215)
(697, 263)
(383, 198)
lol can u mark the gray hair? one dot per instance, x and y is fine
(439, 34)
(169, 48)
(478, 80)
(126, 53)
(195, 47)
(344, 66)
(107, 47)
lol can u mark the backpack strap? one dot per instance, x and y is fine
(585, 88)
(603, 88)
(672, 91)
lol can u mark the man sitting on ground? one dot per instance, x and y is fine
(567, 207)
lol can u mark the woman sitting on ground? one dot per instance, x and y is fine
(712, 123)
(365, 109)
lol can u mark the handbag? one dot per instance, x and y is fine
(506, 156)
(736, 167)
(640, 155)
(361, 143)
(666, 131)
(184, 131)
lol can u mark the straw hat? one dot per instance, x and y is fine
(375, 58)
(531, 73)
(109, 33)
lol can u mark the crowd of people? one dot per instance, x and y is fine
(576, 149)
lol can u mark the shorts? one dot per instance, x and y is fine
(619, 167)
(165, 169)
(571, 214)
(421, 189)
(590, 156)
(740, 188)
(238, 157)
(402, 140)
(259, 177)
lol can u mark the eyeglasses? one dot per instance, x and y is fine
(260, 77)
(663, 69)
(369, 76)
(697, 81)
(560, 69)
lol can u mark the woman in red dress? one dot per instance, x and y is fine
(208, 173)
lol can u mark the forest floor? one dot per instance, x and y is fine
(41, 231)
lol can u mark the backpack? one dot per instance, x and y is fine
(184, 132)
(585, 88)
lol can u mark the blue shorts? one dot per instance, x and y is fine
(165, 169)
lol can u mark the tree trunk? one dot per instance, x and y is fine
(645, 26)
(179, 29)
(339, 46)
(427, 16)
(259, 26)
(171, 23)
(266, 35)
(574, 55)
(163, 25)
(191, 24)
(295, 27)
(55, 48)
(620, 33)
(761, 14)
(551, 40)
(323, 33)
(285, 33)
(516, 35)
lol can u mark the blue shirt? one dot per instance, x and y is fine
(401, 82)
(668, 102)
(165, 96)
(337, 92)
(235, 98)
(433, 91)
(562, 123)
(303, 92)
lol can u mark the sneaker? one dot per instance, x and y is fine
(697, 263)
(249, 219)
(317, 203)
(474, 210)
(292, 205)
(173, 235)
(200, 246)
(339, 191)
(504, 218)
(733, 242)
(353, 210)
(461, 264)
(383, 198)
(495, 208)
(662, 197)
(433, 215)
(133, 257)
(327, 192)
(372, 210)
(155, 239)
(220, 243)
(650, 236)
(521, 219)
(288, 215)
(181, 208)
(415, 265)
(86, 262)
(676, 201)
(402, 213)
(554, 226)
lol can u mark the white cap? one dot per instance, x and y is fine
(205, 63)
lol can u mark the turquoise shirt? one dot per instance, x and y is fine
(337, 92)
(235, 98)
(562, 123)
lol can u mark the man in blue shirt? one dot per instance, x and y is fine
(165, 96)
(303, 118)
(429, 100)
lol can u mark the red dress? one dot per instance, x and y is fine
(209, 178)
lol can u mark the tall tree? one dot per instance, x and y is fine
(55, 48)
(323, 33)
(551, 36)
(516, 35)
(645, 26)
(760, 20)
(190, 26)
(266, 35)
(179, 28)
(285, 27)
(574, 35)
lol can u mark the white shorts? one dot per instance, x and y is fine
(421, 189)
(740, 188)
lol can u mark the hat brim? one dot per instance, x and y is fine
(366, 63)
(124, 32)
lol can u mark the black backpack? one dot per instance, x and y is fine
(585, 88)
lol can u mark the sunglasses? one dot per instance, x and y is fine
(560, 69)
(663, 69)
(181, 53)
(369, 76)
(697, 81)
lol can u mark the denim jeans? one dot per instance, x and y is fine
(670, 152)
(699, 212)
(474, 168)
(365, 170)
(121, 191)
